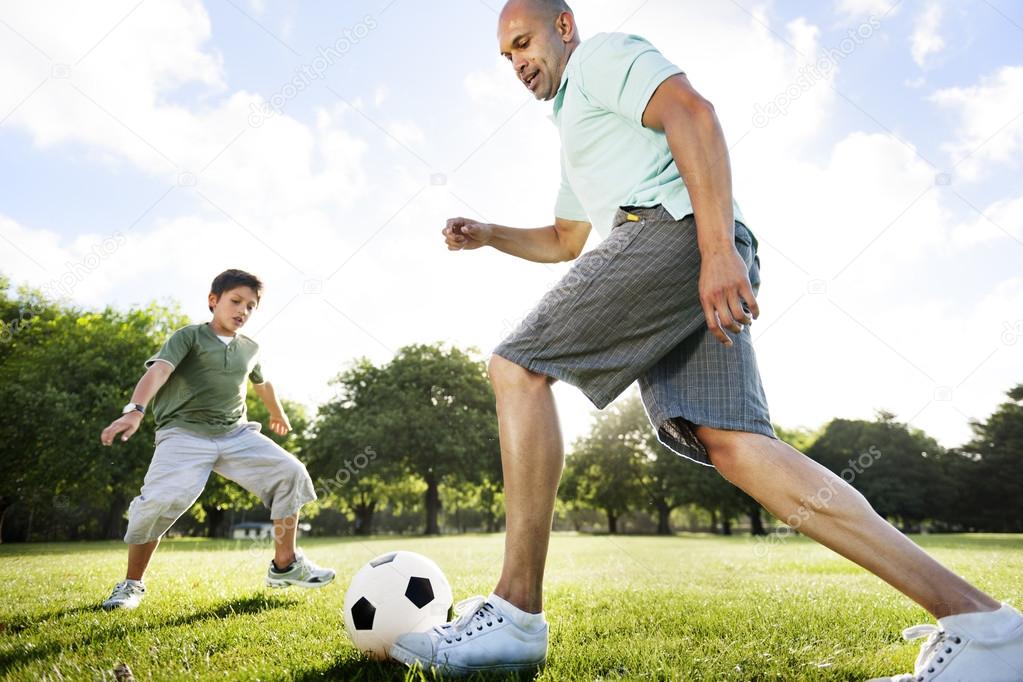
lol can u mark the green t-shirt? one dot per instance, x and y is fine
(608, 158)
(206, 391)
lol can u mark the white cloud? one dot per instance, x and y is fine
(862, 8)
(1001, 220)
(990, 124)
(926, 41)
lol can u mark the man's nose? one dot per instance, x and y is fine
(520, 65)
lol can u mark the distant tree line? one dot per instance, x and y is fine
(411, 446)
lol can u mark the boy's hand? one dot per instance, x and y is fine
(279, 424)
(128, 424)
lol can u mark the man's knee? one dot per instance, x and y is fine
(731, 451)
(507, 375)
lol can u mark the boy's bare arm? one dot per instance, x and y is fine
(279, 423)
(127, 424)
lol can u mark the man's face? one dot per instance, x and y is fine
(233, 308)
(537, 46)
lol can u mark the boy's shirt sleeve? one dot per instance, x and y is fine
(622, 72)
(256, 375)
(175, 349)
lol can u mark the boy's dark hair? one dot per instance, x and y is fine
(232, 279)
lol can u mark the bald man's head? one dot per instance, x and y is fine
(548, 8)
(538, 37)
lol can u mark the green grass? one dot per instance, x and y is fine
(680, 608)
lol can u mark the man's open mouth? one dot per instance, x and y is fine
(532, 80)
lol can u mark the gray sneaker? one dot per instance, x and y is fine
(302, 572)
(126, 595)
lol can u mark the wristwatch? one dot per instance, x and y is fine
(134, 407)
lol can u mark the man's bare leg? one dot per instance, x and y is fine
(532, 457)
(284, 541)
(804, 494)
(138, 559)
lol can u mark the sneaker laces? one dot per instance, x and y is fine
(474, 614)
(934, 651)
(125, 589)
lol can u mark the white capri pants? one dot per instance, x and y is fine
(182, 464)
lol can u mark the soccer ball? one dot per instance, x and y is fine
(393, 595)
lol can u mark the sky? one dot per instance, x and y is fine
(876, 152)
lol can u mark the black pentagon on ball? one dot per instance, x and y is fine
(362, 614)
(419, 591)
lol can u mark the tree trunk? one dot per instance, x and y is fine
(112, 523)
(663, 519)
(755, 522)
(364, 518)
(213, 518)
(5, 504)
(432, 506)
(612, 523)
(726, 525)
(713, 522)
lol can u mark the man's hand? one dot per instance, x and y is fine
(279, 424)
(463, 234)
(126, 425)
(724, 285)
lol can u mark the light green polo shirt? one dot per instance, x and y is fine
(206, 391)
(608, 159)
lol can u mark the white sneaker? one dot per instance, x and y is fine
(126, 595)
(481, 639)
(955, 655)
(302, 573)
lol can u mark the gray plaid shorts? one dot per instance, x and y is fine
(630, 310)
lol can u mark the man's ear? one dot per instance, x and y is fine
(566, 26)
(212, 300)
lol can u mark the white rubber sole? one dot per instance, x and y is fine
(409, 658)
(279, 583)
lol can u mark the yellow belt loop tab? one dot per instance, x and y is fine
(632, 217)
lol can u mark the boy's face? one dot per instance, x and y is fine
(232, 309)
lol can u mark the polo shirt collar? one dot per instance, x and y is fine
(559, 98)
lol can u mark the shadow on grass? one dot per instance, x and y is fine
(361, 670)
(256, 603)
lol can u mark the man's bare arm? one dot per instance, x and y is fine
(562, 241)
(698, 146)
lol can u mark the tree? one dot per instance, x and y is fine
(989, 471)
(895, 467)
(606, 468)
(66, 372)
(428, 413)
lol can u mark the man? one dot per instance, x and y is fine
(666, 298)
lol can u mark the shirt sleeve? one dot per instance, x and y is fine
(175, 349)
(256, 375)
(568, 206)
(621, 72)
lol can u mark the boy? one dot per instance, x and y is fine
(197, 384)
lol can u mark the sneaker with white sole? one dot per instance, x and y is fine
(302, 572)
(481, 639)
(975, 647)
(126, 595)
